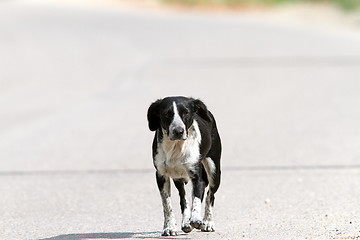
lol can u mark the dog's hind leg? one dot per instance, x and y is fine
(184, 204)
(208, 216)
(213, 174)
(169, 218)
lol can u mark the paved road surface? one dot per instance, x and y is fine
(75, 156)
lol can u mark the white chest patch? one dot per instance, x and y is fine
(176, 158)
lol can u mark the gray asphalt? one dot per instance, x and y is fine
(75, 150)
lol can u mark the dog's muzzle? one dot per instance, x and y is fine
(177, 133)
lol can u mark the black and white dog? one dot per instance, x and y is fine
(186, 147)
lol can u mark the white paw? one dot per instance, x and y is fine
(208, 226)
(169, 232)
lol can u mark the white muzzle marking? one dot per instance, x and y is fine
(177, 129)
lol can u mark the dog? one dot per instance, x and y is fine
(186, 147)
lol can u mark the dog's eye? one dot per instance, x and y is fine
(185, 114)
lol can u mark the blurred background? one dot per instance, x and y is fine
(77, 77)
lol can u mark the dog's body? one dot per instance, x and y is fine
(186, 147)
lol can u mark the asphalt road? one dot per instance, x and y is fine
(75, 150)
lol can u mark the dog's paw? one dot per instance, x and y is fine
(198, 224)
(186, 228)
(208, 226)
(169, 232)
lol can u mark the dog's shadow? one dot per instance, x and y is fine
(114, 235)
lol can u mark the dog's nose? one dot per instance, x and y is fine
(178, 132)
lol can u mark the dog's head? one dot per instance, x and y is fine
(175, 115)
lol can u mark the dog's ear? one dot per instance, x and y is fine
(201, 110)
(153, 115)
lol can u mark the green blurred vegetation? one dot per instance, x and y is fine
(344, 4)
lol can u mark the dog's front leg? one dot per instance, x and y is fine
(169, 219)
(185, 209)
(198, 194)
